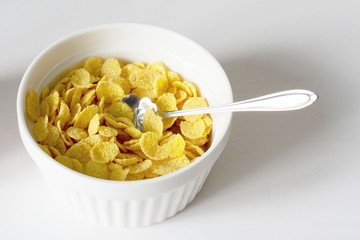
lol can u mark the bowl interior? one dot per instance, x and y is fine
(131, 43)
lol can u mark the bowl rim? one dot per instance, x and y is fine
(25, 131)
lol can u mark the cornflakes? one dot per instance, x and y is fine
(81, 78)
(85, 116)
(194, 102)
(93, 65)
(32, 105)
(109, 90)
(111, 67)
(83, 124)
(104, 152)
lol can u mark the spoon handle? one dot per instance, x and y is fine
(280, 101)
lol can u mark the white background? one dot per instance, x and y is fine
(289, 175)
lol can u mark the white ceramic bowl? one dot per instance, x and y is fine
(134, 203)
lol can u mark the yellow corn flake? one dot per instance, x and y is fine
(160, 86)
(172, 90)
(113, 166)
(152, 122)
(70, 163)
(111, 67)
(40, 128)
(130, 68)
(66, 139)
(75, 111)
(182, 86)
(45, 149)
(121, 109)
(76, 133)
(75, 98)
(64, 160)
(207, 120)
(130, 155)
(88, 97)
(167, 102)
(107, 131)
(109, 90)
(190, 155)
(120, 146)
(53, 102)
(93, 66)
(133, 132)
(67, 97)
(127, 161)
(199, 141)
(164, 138)
(139, 64)
(52, 119)
(81, 78)
(207, 131)
(158, 67)
(104, 152)
(52, 137)
(180, 96)
(64, 114)
(44, 93)
(125, 120)
(149, 146)
(54, 151)
(194, 148)
(77, 166)
(66, 80)
(98, 170)
(85, 116)
(118, 174)
(94, 79)
(168, 166)
(173, 148)
(131, 142)
(194, 102)
(122, 82)
(44, 109)
(132, 147)
(94, 125)
(32, 105)
(141, 93)
(178, 162)
(140, 154)
(114, 121)
(144, 78)
(135, 177)
(192, 130)
(93, 140)
(140, 167)
(101, 105)
(80, 151)
(192, 87)
(172, 76)
(60, 146)
(149, 174)
(63, 135)
(60, 88)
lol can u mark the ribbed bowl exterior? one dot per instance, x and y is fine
(131, 213)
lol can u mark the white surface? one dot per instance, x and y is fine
(291, 175)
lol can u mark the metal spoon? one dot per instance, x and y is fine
(280, 101)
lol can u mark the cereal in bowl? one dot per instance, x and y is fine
(82, 123)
